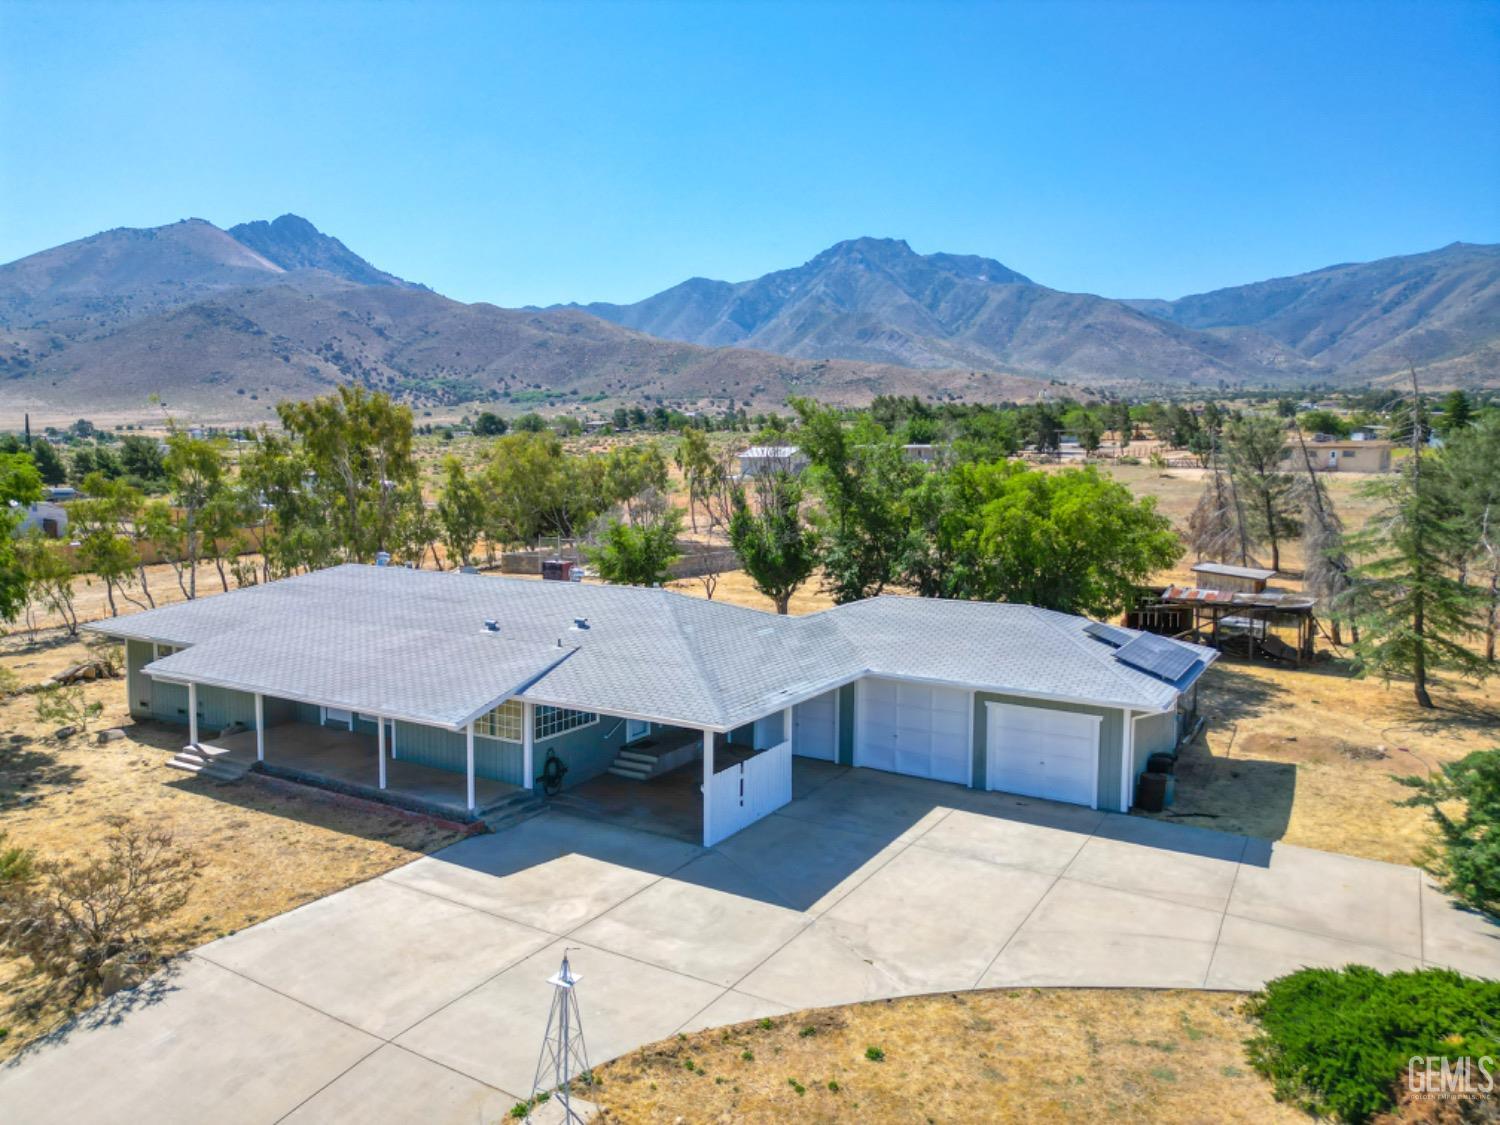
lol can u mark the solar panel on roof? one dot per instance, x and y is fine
(1109, 634)
(1158, 657)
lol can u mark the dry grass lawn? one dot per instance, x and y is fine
(269, 846)
(1025, 1056)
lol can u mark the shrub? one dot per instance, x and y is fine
(1468, 859)
(874, 1054)
(69, 918)
(64, 705)
(1337, 1041)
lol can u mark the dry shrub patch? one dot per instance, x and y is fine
(1029, 1055)
(266, 847)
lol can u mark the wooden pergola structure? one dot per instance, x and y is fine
(1232, 621)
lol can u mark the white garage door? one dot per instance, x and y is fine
(1039, 752)
(815, 727)
(913, 728)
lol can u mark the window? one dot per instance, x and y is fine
(552, 721)
(163, 651)
(1348, 455)
(503, 722)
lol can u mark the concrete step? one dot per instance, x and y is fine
(635, 756)
(629, 773)
(213, 766)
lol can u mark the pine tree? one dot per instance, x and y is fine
(1411, 610)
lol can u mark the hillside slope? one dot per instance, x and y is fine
(877, 300)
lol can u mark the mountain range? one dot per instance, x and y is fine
(879, 301)
(223, 322)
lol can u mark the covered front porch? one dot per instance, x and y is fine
(350, 761)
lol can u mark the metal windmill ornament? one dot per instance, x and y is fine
(564, 1059)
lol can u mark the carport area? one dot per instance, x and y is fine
(423, 994)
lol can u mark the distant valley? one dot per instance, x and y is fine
(221, 323)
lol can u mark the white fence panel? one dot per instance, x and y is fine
(754, 788)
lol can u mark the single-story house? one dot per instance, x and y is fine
(1336, 455)
(44, 516)
(771, 458)
(480, 680)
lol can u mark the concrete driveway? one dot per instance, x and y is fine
(422, 995)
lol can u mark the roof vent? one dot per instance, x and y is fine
(491, 625)
(580, 624)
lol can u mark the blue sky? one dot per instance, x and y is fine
(531, 153)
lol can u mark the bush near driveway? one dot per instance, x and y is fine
(1336, 1042)
(1468, 859)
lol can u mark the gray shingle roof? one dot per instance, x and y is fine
(389, 639)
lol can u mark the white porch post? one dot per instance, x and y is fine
(528, 744)
(380, 746)
(469, 764)
(394, 755)
(708, 785)
(786, 724)
(260, 727)
(192, 714)
(1127, 766)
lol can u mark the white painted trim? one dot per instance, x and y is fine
(1127, 759)
(380, 746)
(528, 744)
(563, 733)
(970, 783)
(469, 764)
(260, 727)
(708, 787)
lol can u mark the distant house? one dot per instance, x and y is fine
(918, 451)
(50, 519)
(760, 459)
(61, 492)
(1334, 455)
(1241, 579)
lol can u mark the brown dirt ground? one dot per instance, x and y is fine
(1030, 1055)
(269, 846)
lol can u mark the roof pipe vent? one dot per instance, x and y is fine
(491, 625)
(580, 624)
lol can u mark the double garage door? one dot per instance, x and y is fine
(925, 731)
(914, 729)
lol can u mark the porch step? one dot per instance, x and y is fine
(646, 760)
(208, 762)
(513, 810)
(630, 771)
(636, 765)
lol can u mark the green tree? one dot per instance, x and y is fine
(1464, 800)
(530, 423)
(195, 468)
(638, 553)
(1323, 422)
(1254, 446)
(48, 463)
(695, 461)
(861, 477)
(358, 448)
(1411, 610)
(1073, 541)
(1472, 474)
(20, 484)
(460, 511)
(1458, 411)
(101, 523)
(489, 424)
(776, 548)
(143, 460)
